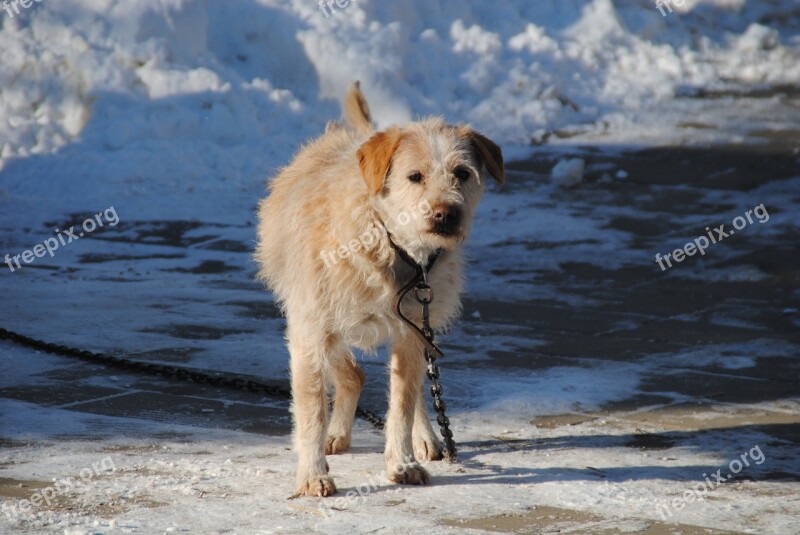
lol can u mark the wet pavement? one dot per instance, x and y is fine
(712, 339)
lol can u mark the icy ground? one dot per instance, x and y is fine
(589, 390)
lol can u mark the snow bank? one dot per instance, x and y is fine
(202, 95)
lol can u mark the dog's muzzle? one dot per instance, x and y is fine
(446, 220)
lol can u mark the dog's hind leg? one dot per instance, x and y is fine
(310, 411)
(348, 380)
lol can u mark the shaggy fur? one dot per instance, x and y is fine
(324, 250)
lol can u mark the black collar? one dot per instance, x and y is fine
(407, 258)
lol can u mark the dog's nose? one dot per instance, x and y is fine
(446, 218)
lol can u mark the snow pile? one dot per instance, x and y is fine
(227, 84)
(568, 173)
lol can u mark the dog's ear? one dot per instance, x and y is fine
(375, 156)
(489, 153)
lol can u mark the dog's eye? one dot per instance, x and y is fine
(416, 176)
(461, 173)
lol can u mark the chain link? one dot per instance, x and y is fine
(424, 295)
(220, 380)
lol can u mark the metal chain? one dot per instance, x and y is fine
(424, 295)
(220, 380)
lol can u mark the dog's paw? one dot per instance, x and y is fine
(409, 474)
(428, 449)
(320, 487)
(336, 444)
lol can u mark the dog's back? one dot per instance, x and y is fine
(323, 179)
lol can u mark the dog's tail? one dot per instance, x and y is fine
(356, 110)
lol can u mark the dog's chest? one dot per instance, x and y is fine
(368, 323)
(370, 332)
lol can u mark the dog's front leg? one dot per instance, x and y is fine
(310, 410)
(426, 444)
(407, 368)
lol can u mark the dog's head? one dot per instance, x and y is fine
(425, 181)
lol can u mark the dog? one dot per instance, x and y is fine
(338, 189)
